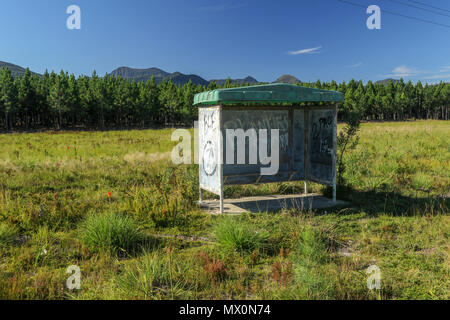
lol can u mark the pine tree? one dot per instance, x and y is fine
(211, 86)
(318, 84)
(96, 95)
(73, 98)
(7, 96)
(389, 99)
(358, 97)
(228, 83)
(120, 94)
(58, 97)
(26, 97)
(370, 101)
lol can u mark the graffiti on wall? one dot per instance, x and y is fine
(321, 145)
(322, 138)
(209, 139)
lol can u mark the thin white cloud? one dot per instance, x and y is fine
(223, 7)
(403, 72)
(305, 51)
(438, 76)
(356, 65)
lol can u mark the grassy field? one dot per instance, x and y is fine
(112, 204)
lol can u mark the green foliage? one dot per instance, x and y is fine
(64, 101)
(241, 236)
(397, 181)
(8, 96)
(309, 257)
(110, 232)
(171, 194)
(8, 234)
(347, 140)
(158, 275)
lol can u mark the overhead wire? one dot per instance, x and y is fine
(416, 7)
(428, 5)
(398, 14)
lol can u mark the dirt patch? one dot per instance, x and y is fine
(185, 238)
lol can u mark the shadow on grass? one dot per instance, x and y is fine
(372, 202)
(376, 202)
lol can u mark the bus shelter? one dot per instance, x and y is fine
(237, 124)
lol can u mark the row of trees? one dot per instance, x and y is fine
(64, 101)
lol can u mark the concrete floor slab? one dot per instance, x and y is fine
(271, 203)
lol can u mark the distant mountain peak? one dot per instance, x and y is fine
(385, 81)
(16, 71)
(287, 78)
(248, 79)
(160, 75)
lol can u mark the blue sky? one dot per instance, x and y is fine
(320, 39)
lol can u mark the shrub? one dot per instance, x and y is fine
(8, 234)
(282, 272)
(111, 232)
(241, 236)
(347, 140)
(213, 268)
(309, 258)
(311, 248)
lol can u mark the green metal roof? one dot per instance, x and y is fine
(271, 93)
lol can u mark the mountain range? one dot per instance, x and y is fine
(16, 71)
(177, 78)
(385, 81)
(249, 79)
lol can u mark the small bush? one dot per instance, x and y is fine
(110, 232)
(311, 248)
(241, 236)
(8, 234)
(282, 272)
(308, 260)
(213, 268)
(422, 182)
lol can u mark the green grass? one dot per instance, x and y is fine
(8, 234)
(158, 275)
(148, 240)
(110, 232)
(241, 236)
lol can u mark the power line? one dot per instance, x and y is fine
(398, 14)
(428, 5)
(413, 6)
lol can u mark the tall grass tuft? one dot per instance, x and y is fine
(241, 236)
(158, 275)
(8, 234)
(111, 232)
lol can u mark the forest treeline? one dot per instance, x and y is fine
(62, 101)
